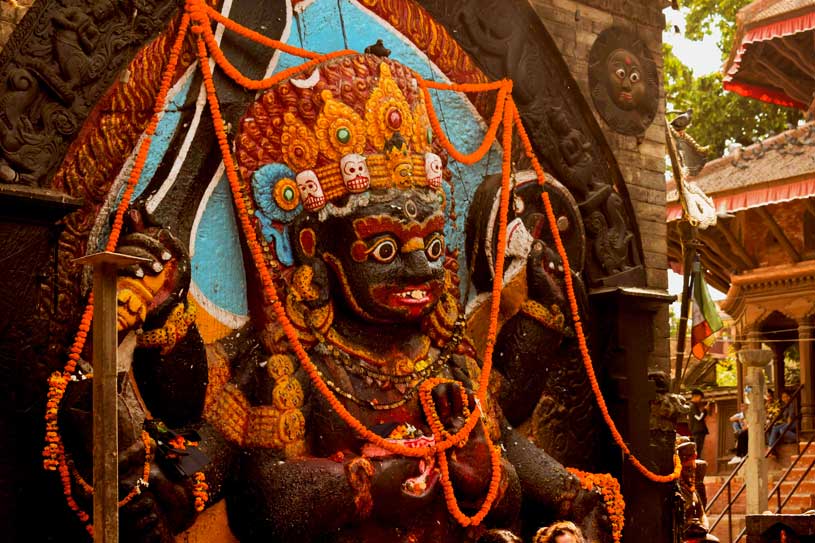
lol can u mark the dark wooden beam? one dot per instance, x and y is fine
(735, 244)
(794, 88)
(778, 233)
(783, 48)
(810, 203)
(716, 275)
(708, 237)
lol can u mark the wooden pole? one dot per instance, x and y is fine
(105, 417)
(689, 261)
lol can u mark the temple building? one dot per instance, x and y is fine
(772, 58)
(761, 250)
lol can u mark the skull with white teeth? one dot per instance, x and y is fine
(355, 174)
(311, 192)
(433, 170)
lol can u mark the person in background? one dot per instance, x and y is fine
(560, 532)
(771, 406)
(740, 421)
(698, 412)
(788, 417)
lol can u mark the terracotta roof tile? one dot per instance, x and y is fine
(787, 155)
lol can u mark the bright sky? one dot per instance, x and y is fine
(703, 57)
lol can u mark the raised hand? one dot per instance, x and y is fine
(150, 290)
(470, 464)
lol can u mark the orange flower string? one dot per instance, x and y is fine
(200, 491)
(609, 488)
(431, 413)
(504, 90)
(271, 292)
(54, 451)
(578, 325)
(255, 36)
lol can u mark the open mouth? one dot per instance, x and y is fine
(412, 296)
(360, 182)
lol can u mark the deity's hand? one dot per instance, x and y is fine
(150, 291)
(590, 513)
(469, 464)
(163, 508)
(544, 270)
(401, 487)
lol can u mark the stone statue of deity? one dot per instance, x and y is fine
(343, 177)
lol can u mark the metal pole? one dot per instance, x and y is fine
(105, 418)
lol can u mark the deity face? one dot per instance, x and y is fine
(311, 192)
(626, 84)
(387, 257)
(355, 174)
(433, 169)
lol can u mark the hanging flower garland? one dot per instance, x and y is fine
(198, 18)
(609, 488)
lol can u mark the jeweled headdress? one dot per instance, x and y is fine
(354, 124)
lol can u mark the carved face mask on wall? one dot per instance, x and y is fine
(623, 81)
(626, 85)
(387, 257)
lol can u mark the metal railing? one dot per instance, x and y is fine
(726, 488)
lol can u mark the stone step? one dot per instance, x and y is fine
(723, 530)
(806, 487)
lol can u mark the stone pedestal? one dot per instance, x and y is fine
(623, 323)
(755, 471)
(768, 528)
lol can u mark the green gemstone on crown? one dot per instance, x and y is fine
(343, 135)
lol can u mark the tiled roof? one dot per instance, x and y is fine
(762, 11)
(788, 155)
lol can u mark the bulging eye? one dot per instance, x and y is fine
(435, 248)
(384, 250)
(634, 77)
(620, 73)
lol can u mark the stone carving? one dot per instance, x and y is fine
(60, 60)
(666, 408)
(693, 496)
(623, 81)
(373, 297)
(563, 130)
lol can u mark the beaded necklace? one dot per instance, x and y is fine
(385, 380)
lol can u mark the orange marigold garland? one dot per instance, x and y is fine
(199, 15)
(609, 487)
(200, 491)
(578, 324)
(54, 458)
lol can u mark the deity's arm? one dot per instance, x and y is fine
(549, 489)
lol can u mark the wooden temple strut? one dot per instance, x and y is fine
(778, 233)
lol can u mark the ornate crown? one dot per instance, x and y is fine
(356, 123)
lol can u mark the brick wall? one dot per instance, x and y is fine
(574, 25)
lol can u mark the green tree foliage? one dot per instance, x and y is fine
(719, 117)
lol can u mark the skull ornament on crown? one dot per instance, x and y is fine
(355, 173)
(373, 135)
(311, 193)
(434, 170)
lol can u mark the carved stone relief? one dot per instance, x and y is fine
(60, 60)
